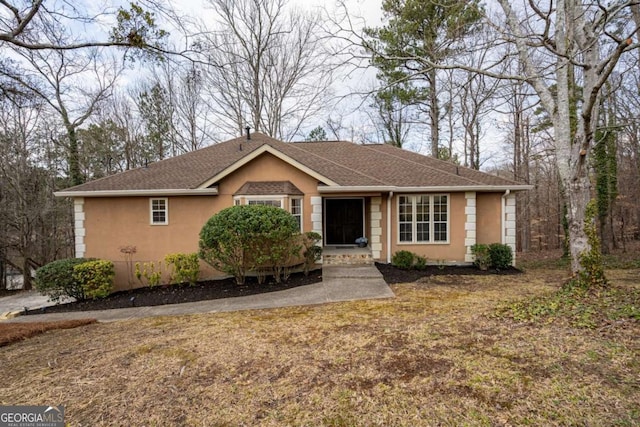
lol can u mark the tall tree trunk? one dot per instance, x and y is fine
(434, 112)
(26, 274)
(74, 157)
(578, 187)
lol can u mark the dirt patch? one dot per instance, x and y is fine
(14, 332)
(176, 294)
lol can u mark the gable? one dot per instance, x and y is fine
(262, 169)
(248, 159)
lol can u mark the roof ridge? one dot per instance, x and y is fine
(331, 161)
(423, 165)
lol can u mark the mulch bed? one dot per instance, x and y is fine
(393, 275)
(176, 294)
(227, 288)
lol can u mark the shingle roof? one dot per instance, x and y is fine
(340, 162)
(264, 188)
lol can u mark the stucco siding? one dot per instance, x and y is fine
(488, 211)
(113, 223)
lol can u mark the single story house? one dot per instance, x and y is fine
(395, 198)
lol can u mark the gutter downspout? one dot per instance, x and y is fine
(389, 227)
(503, 234)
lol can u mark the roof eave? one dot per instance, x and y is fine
(322, 189)
(135, 193)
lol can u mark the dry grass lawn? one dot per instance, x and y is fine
(435, 355)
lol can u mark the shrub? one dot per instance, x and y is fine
(149, 274)
(500, 255)
(185, 267)
(96, 277)
(246, 237)
(78, 278)
(481, 254)
(420, 262)
(403, 259)
(311, 251)
(56, 279)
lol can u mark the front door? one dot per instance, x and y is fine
(343, 221)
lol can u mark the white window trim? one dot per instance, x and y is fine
(431, 221)
(166, 211)
(301, 214)
(244, 199)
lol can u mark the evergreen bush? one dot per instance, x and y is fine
(56, 279)
(311, 251)
(500, 255)
(247, 237)
(482, 257)
(95, 277)
(78, 278)
(403, 259)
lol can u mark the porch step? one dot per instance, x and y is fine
(347, 256)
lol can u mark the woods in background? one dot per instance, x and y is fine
(563, 108)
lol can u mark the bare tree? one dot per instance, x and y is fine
(561, 45)
(394, 114)
(62, 79)
(186, 105)
(574, 35)
(120, 109)
(23, 22)
(268, 68)
(35, 226)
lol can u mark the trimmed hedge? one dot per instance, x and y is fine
(72, 278)
(249, 238)
(95, 278)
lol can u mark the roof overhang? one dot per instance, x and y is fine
(258, 152)
(324, 189)
(137, 193)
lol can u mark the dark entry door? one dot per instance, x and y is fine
(344, 221)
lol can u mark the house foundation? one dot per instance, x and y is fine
(347, 256)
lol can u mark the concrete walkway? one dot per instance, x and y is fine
(339, 283)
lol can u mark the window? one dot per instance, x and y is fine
(159, 212)
(268, 202)
(423, 219)
(296, 210)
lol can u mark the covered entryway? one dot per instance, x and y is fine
(343, 220)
